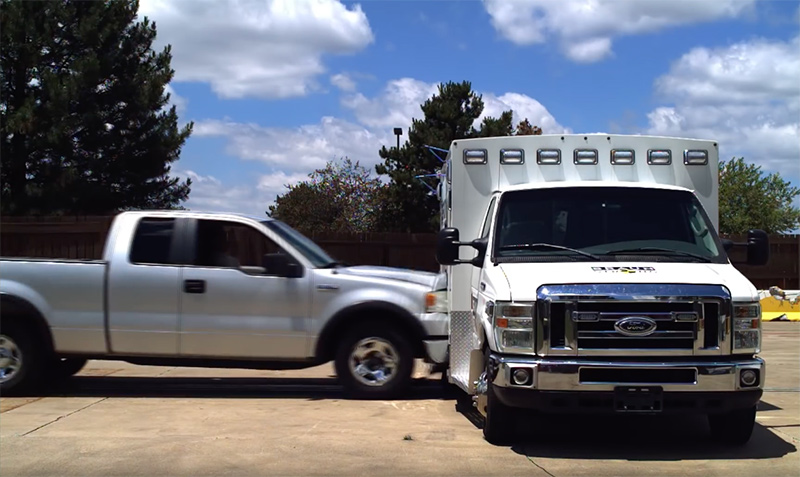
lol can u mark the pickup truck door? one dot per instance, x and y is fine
(229, 308)
(142, 286)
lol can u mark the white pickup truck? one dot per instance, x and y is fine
(181, 288)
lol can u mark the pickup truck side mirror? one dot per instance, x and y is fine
(282, 265)
(757, 247)
(448, 245)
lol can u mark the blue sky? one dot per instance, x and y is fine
(277, 88)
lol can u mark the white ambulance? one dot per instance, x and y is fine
(584, 273)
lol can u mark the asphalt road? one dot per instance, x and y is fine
(116, 419)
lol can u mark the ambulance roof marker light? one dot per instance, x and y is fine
(659, 157)
(623, 157)
(695, 157)
(548, 157)
(585, 156)
(512, 156)
(475, 156)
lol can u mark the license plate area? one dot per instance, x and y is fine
(645, 399)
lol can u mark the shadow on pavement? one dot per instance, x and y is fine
(631, 438)
(228, 387)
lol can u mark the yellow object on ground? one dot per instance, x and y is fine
(780, 305)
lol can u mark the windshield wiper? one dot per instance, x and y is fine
(532, 246)
(657, 250)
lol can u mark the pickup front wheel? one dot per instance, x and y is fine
(374, 362)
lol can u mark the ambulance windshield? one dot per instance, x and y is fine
(614, 223)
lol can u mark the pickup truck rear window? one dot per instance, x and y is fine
(152, 242)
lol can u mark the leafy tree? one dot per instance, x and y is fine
(85, 125)
(341, 197)
(409, 205)
(749, 199)
(524, 128)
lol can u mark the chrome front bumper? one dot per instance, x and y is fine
(588, 375)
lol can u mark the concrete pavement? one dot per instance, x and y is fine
(119, 419)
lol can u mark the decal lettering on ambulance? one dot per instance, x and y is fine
(624, 269)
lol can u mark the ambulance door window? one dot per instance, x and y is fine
(487, 222)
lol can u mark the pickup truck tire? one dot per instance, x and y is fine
(733, 428)
(21, 363)
(374, 362)
(63, 368)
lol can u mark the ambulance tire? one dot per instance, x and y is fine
(733, 428)
(499, 425)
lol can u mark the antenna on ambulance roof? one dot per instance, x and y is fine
(433, 150)
(422, 177)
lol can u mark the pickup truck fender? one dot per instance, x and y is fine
(21, 301)
(381, 306)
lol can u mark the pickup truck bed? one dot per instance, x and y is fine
(69, 292)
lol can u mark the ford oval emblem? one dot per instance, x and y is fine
(635, 326)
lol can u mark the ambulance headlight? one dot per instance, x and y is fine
(746, 327)
(513, 326)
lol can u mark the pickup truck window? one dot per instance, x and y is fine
(231, 245)
(302, 244)
(611, 223)
(152, 242)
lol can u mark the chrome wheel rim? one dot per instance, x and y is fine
(10, 358)
(373, 361)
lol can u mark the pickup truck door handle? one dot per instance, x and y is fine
(194, 286)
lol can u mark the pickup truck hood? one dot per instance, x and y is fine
(426, 279)
(524, 278)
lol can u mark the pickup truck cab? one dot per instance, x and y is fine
(195, 289)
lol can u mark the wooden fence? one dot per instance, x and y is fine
(84, 237)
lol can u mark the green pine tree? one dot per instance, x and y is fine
(85, 127)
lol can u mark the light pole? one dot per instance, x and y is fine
(398, 132)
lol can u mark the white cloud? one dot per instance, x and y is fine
(524, 107)
(210, 194)
(395, 106)
(585, 29)
(308, 147)
(343, 82)
(746, 96)
(295, 152)
(303, 149)
(248, 48)
(400, 101)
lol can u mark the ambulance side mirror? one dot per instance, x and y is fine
(448, 245)
(757, 247)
